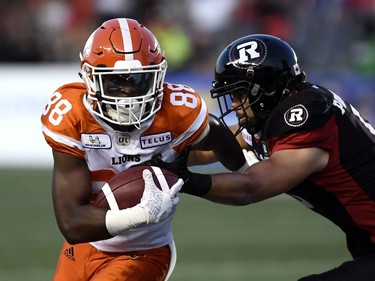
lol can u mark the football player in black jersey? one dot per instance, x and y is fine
(313, 145)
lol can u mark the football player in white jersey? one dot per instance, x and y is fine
(121, 115)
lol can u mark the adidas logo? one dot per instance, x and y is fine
(69, 253)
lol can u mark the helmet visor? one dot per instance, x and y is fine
(127, 85)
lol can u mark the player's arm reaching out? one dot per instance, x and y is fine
(278, 174)
(79, 221)
(281, 172)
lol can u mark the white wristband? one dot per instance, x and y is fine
(118, 221)
(251, 159)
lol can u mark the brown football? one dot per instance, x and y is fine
(125, 189)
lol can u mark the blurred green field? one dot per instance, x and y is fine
(274, 240)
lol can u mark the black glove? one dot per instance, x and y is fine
(194, 183)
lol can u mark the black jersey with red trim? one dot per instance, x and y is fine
(344, 191)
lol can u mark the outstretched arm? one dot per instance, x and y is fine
(281, 172)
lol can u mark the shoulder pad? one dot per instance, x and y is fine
(307, 110)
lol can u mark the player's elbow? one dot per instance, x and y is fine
(245, 200)
(246, 197)
(70, 237)
(72, 240)
(71, 233)
(234, 198)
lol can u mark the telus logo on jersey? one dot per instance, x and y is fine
(156, 140)
(96, 141)
(296, 115)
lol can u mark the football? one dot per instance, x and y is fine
(125, 189)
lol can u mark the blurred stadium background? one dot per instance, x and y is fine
(273, 240)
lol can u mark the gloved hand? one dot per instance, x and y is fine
(194, 183)
(179, 166)
(158, 204)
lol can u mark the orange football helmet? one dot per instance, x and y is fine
(123, 68)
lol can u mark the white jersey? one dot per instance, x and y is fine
(69, 127)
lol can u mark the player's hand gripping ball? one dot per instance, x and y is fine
(125, 189)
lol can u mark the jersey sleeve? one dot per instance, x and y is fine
(304, 120)
(321, 137)
(185, 113)
(62, 119)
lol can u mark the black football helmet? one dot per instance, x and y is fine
(259, 64)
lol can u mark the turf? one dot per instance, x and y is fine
(273, 240)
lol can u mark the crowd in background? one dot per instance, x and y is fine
(326, 33)
(331, 37)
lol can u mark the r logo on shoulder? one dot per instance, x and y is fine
(296, 115)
